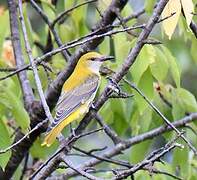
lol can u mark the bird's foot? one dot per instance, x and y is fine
(72, 130)
(114, 86)
(93, 107)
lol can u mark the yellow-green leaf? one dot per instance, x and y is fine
(169, 24)
(160, 67)
(187, 100)
(188, 8)
(174, 68)
(103, 4)
(149, 6)
(5, 141)
(145, 58)
(146, 86)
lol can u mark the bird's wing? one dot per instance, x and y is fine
(70, 101)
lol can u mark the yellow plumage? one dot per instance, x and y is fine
(77, 94)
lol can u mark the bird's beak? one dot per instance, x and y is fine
(104, 58)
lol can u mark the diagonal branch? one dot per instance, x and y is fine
(134, 140)
(55, 88)
(82, 172)
(134, 52)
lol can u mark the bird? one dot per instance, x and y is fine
(77, 95)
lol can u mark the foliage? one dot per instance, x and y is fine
(159, 71)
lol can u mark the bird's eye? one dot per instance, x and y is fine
(92, 59)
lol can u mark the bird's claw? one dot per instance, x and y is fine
(114, 86)
(93, 107)
(72, 130)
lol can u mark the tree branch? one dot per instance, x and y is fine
(24, 82)
(120, 74)
(65, 53)
(134, 140)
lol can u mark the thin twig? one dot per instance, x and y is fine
(61, 15)
(33, 64)
(28, 95)
(162, 116)
(154, 156)
(135, 140)
(167, 17)
(7, 69)
(65, 146)
(70, 45)
(155, 171)
(65, 53)
(105, 159)
(24, 137)
(83, 173)
(114, 137)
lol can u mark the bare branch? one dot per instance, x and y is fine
(24, 137)
(162, 116)
(104, 159)
(33, 64)
(155, 156)
(66, 12)
(55, 88)
(72, 44)
(7, 69)
(83, 173)
(25, 85)
(135, 140)
(55, 158)
(65, 53)
(114, 137)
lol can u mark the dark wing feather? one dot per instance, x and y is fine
(70, 101)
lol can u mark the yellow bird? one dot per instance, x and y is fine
(77, 94)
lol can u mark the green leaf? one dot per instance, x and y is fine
(78, 18)
(165, 167)
(60, 7)
(42, 152)
(143, 175)
(119, 122)
(134, 124)
(177, 111)
(18, 111)
(122, 47)
(160, 67)
(146, 86)
(107, 113)
(66, 32)
(174, 69)
(49, 10)
(139, 151)
(145, 120)
(193, 49)
(5, 141)
(181, 162)
(149, 6)
(103, 4)
(10, 96)
(184, 101)
(145, 58)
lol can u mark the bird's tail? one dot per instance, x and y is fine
(55, 131)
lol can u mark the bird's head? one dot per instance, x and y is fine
(93, 61)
